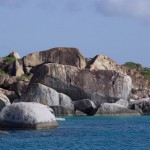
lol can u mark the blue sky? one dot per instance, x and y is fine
(119, 29)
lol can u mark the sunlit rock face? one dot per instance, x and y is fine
(45, 95)
(60, 55)
(102, 62)
(3, 100)
(27, 116)
(99, 86)
(113, 109)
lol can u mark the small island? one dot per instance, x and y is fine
(66, 83)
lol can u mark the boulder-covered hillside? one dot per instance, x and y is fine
(63, 79)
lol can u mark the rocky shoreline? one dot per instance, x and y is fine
(70, 85)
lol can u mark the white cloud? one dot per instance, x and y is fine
(131, 8)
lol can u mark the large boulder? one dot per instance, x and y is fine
(66, 56)
(141, 86)
(123, 102)
(14, 55)
(10, 94)
(141, 105)
(27, 116)
(99, 86)
(63, 111)
(86, 106)
(3, 100)
(101, 62)
(112, 109)
(17, 69)
(3, 77)
(42, 94)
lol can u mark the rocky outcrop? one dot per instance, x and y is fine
(3, 77)
(141, 105)
(27, 116)
(14, 84)
(17, 69)
(65, 56)
(3, 100)
(99, 86)
(112, 109)
(63, 111)
(14, 55)
(86, 106)
(141, 86)
(122, 102)
(10, 94)
(101, 62)
(47, 96)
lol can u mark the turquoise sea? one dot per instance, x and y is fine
(84, 133)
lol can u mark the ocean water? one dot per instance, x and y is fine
(84, 133)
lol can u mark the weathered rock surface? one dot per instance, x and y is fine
(10, 94)
(17, 69)
(123, 102)
(101, 62)
(86, 106)
(66, 56)
(27, 116)
(41, 94)
(14, 55)
(3, 78)
(142, 105)
(112, 109)
(3, 100)
(65, 101)
(141, 86)
(99, 86)
(45, 95)
(63, 111)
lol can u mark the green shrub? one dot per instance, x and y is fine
(2, 72)
(133, 65)
(24, 76)
(145, 72)
(9, 59)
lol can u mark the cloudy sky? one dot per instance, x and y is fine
(119, 29)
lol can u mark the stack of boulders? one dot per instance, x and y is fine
(65, 81)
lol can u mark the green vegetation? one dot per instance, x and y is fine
(9, 59)
(2, 72)
(25, 76)
(133, 65)
(145, 72)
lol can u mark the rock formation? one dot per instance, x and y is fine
(102, 62)
(65, 56)
(27, 116)
(86, 106)
(112, 109)
(3, 101)
(72, 85)
(99, 86)
(45, 95)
